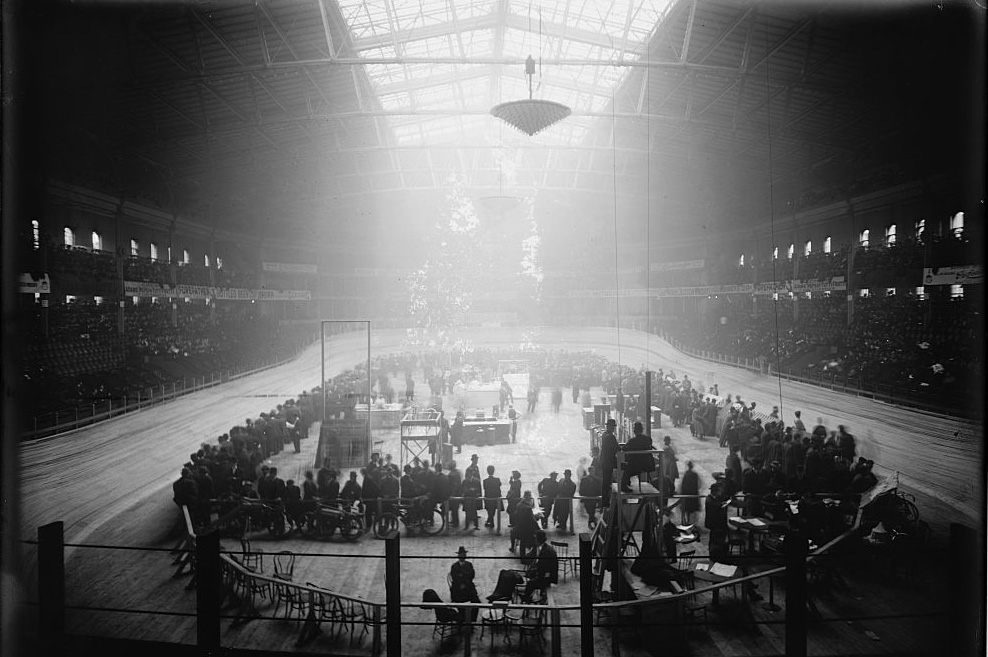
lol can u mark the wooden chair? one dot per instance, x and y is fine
(496, 618)
(684, 566)
(327, 609)
(565, 562)
(530, 626)
(250, 559)
(447, 619)
(284, 565)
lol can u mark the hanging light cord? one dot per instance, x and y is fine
(771, 201)
(648, 223)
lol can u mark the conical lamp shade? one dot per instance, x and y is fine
(531, 116)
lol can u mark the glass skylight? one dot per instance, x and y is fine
(420, 93)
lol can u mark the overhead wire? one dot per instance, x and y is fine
(771, 210)
(617, 281)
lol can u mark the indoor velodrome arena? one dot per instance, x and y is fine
(493, 327)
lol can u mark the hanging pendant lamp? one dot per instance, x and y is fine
(531, 116)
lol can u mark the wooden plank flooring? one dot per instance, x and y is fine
(110, 484)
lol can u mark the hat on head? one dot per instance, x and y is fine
(567, 471)
(462, 550)
(474, 456)
(611, 422)
(553, 473)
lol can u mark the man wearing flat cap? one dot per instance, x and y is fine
(461, 587)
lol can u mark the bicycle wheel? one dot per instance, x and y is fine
(386, 525)
(433, 523)
(351, 529)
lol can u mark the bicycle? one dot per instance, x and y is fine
(427, 519)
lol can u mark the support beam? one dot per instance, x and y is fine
(684, 55)
(327, 33)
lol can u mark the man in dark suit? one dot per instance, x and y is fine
(608, 461)
(637, 464)
(545, 571)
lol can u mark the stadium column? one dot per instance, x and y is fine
(586, 596)
(392, 594)
(796, 595)
(208, 583)
(51, 587)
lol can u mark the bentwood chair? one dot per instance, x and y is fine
(565, 562)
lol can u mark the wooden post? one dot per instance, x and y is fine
(586, 596)
(555, 632)
(376, 642)
(796, 617)
(392, 594)
(967, 600)
(51, 587)
(207, 574)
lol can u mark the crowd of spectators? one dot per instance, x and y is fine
(926, 347)
(84, 361)
(144, 269)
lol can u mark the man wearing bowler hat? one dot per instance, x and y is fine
(461, 587)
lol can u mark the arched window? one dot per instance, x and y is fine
(826, 244)
(957, 228)
(920, 229)
(808, 247)
(864, 293)
(69, 236)
(185, 256)
(956, 291)
(154, 252)
(890, 235)
(35, 234)
(775, 253)
(792, 250)
(134, 247)
(741, 260)
(864, 238)
(205, 260)
(97, 241)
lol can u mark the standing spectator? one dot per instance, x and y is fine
(564, 499)
(371, 493)
(608, 461)
(513, 416)
(514, 495)
(473, 468)
(669, 467)
(590, 488)
(524, 524)
(557, 399)
(471, 491)
(351, 490)
(456, 432)
(455, 492)
(440, 487)
(492, 496)
(547, 495)
(690, 486)
(715, 520)
(845, 443)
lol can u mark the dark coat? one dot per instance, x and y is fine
(492, 488)
(690, 486)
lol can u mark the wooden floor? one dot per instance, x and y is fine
(110, 485)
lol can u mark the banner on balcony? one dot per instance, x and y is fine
(799, 287)
(146, 289)
(966, 275)
(288, 267)
(28, 284)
